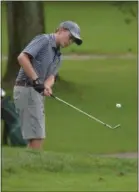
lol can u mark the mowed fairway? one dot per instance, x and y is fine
(95, 86)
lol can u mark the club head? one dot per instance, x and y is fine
(116, 126)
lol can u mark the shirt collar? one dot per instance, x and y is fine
(53, 43)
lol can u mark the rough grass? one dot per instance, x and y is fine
(24, 170)
(16, 159)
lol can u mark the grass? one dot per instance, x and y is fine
(103, 26)
(65, 172)
(95, 86)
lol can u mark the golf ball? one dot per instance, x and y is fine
(118, 105)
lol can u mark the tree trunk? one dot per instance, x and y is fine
(25, 20)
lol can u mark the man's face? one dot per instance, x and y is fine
(66, 38)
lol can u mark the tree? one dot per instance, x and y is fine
(25, 20)
(129, 9)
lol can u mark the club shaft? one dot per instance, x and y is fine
(94, 118)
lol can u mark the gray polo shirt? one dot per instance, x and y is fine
(45, 57)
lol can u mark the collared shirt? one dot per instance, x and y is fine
(45, 57)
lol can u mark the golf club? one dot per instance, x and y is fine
(94, 118)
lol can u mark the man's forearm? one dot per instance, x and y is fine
(24, 61)
(50, 81)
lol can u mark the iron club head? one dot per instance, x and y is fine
(116, 126)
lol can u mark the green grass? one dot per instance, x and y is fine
(48, 171)
(95, 86)
(103, 26)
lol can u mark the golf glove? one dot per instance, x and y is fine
(38, 85)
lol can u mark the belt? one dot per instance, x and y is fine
(23, 83)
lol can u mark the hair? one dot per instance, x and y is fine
(56, 30)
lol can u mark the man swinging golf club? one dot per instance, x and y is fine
(40, 62)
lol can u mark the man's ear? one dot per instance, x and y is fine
(56, 30)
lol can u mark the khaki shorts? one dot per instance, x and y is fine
(30, 106)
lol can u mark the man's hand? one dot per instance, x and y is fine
(47, 90)
(48, 85)
(38, 86)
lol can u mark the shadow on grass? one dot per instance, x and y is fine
(66, 86)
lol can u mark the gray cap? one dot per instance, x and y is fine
(74, 30)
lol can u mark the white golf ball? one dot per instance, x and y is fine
(118, 105)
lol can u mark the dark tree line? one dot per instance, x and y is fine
(128, 8)
(25, 20)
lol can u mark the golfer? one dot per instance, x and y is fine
(40, 61)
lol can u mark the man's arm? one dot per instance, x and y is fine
(24, 61)
(53, 70)
(49, 82)
(31, 51)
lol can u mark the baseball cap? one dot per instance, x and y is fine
(74, 30)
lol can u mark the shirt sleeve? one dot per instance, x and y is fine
(36, 45)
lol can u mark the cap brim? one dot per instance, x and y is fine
(78, 39)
